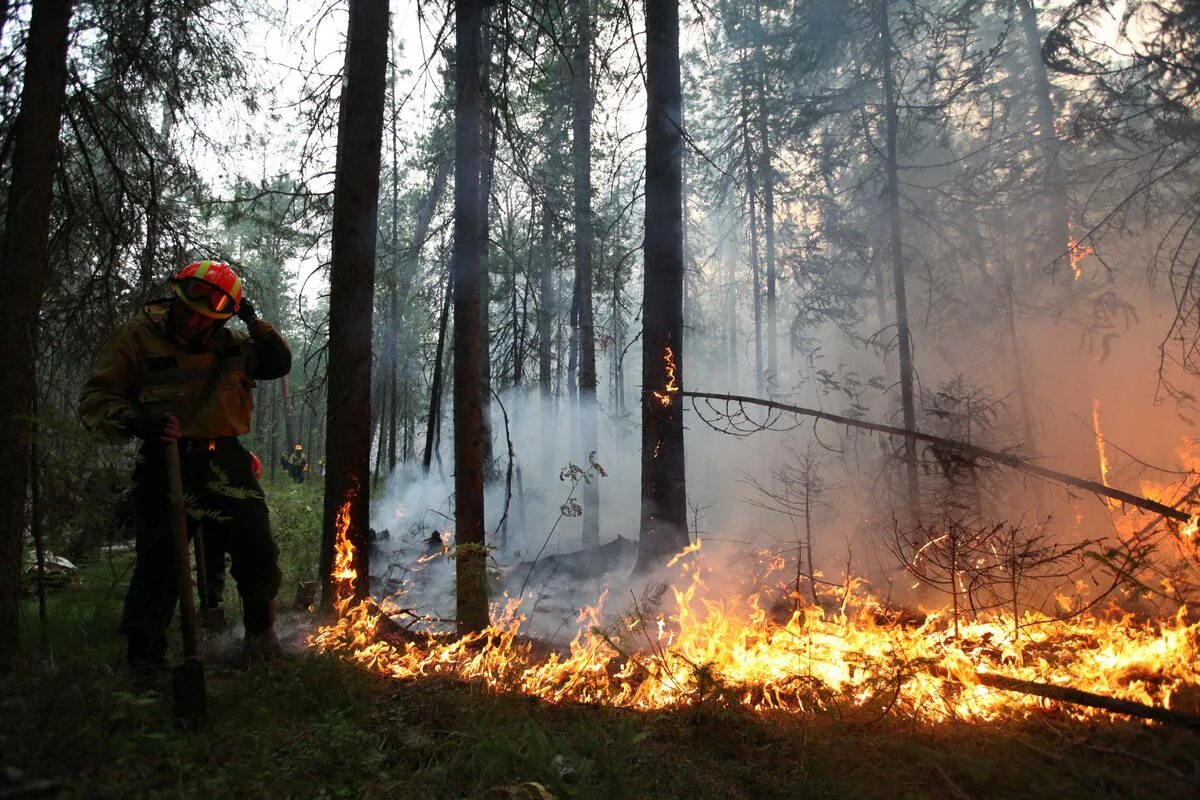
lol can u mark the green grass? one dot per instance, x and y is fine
(315, 727)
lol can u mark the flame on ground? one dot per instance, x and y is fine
(846, 655)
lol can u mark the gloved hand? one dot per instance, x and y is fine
(246, 312)
(158, 426)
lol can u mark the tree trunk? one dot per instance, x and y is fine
(907, 399)
(289, 419)
(273, 431)
(1058, 233)
(731, 311)
(351, 288)
(755, 266)
(22, 272)
(663, 529)
(768, 188)
(391, 342)
(545, 309)
(470, 557)
(486, 171)
(435, 383)
(581, 150)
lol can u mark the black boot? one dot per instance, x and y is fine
(260, 647)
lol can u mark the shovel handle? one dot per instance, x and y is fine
(187, 600)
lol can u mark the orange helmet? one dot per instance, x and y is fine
(209, 288)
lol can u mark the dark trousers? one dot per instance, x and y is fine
(221, 490)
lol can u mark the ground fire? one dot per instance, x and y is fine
(849, 653)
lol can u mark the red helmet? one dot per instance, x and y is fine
(256, 465)
(210, 288)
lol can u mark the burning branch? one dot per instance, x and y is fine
(971, 450)
(1068, 694)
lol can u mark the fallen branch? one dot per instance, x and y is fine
(1006, 459)
(1078, 697)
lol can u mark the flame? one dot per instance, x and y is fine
(840, 655)
(1076, 252)
(671, 386)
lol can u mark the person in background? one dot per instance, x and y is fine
(297, 463)
(174, 373)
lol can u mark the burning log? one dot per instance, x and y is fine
(970, 450)
(1068, 694)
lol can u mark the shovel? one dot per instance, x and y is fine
(187, 680)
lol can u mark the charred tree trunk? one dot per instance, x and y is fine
(435, 383)
(1058, 233)
(486, 171)
(352, 287)
(907, 396)
(289, 419)
(767, 173)
(23, 271)
(731, 312)
(545, 309)
(755, 266)
(391, 342)
(469, 432)
(581, 150)
(663, 529)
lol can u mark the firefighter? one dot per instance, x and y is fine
(297, 463)
(176, 373)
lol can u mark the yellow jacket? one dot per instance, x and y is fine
(143, 369)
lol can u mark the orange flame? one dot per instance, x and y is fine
(671, 386)
(836, 655)
(1076, 252)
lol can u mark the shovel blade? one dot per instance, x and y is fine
(190, 695)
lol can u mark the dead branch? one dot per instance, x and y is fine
(971, 450)
(1067, 694)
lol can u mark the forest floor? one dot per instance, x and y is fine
(315, 727)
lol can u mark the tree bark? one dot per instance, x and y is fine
(907, 397)
(581, 150)
(23, 272)
(768, 188)
(289, 419)
(470, 557)
(755, 264)
(351, 288)
(545, 309)
(663, 529)
(436, 382)
(1058, 232)
(486, 172)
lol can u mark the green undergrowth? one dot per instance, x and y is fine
(316, 727)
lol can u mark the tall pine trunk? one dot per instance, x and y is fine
(1057, 233)
(352, 287)
(23, 272)
(767, 177)
(581, 150)
(896, 251)
(755, 264)
(663, 529)
(470, 557)
(433, 421)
